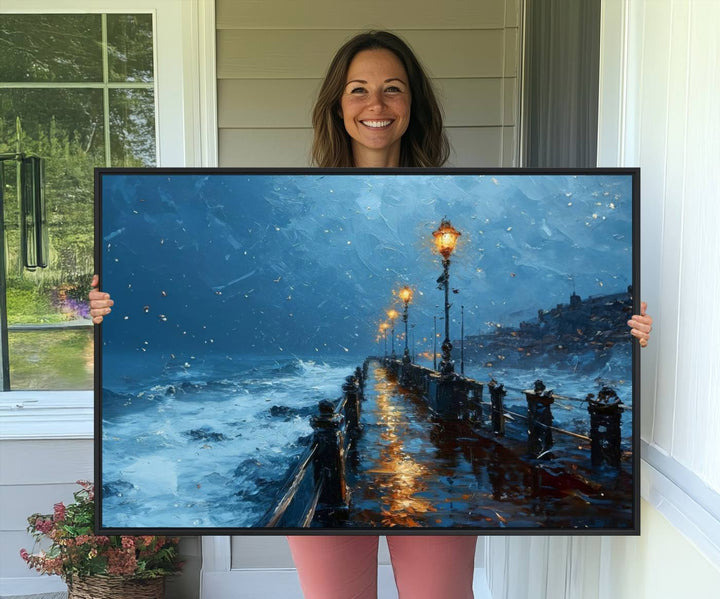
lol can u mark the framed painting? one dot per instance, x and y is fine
(302, 351)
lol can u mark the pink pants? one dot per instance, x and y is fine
(432, 567)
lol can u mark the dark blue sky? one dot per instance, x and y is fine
(307, 264)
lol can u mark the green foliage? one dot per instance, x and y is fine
(29, 305)
(52, 359)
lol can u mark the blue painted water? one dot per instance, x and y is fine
(200, 445)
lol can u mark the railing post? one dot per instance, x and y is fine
(352, 407)
(476, 412)
(360, 375)
(329, 463)
(540, 438)
(605, 415)
(447, 395)
(497, 394)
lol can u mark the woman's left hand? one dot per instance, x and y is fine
(641, 325)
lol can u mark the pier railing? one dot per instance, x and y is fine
(460, 397)
(317, 492)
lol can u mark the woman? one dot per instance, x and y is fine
(376, 108)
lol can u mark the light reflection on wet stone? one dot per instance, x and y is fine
(416, 470)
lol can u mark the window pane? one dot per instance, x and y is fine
(132, 127)
(53, 121)
(38, 48)
(52, 359)
(66, 127)
(130, 48)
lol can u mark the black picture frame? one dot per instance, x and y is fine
(221, 279)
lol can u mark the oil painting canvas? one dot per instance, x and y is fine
(333, 351)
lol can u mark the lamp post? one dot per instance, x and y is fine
(462, 340)
(392, 314)
(435, 342)
(406, 294)
(445, 240)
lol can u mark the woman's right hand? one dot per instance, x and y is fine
(100, 302)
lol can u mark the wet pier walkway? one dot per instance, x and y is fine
(412, 469)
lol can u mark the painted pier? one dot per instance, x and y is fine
(406, 447)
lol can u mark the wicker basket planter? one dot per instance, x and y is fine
(116, 587)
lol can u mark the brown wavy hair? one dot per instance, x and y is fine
(423, 144)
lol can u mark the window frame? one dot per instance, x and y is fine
(186, 135)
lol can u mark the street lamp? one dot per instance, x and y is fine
(392, 314)
(445, 240)
(406, 295)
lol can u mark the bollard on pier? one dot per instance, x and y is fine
(360, 375)
(351, 390)
(540, 438)
(329, 464)
(605, 415)
(497, 395)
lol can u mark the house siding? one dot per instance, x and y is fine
(271, 59)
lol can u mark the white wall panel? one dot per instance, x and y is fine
(265, 147)
(269, 103)
(338, 14)
(652, 118)
(475, 146)
(19, 501)
(307, 53)
(672, 130)
(51, 461)
(697, 423)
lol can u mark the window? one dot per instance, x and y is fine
(77, 90)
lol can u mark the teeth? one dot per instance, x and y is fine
(376, 123)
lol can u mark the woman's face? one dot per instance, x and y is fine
(375, 107)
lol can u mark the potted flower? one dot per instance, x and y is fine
(96, 566)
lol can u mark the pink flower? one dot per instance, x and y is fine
(44, 526)
(128, 542)
(121, 562)
(59, 512)
(24, 554)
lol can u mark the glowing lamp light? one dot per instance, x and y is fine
(446, 238)
(406, 294)
(392, 314)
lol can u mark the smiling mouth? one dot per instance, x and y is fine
(376, 124)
